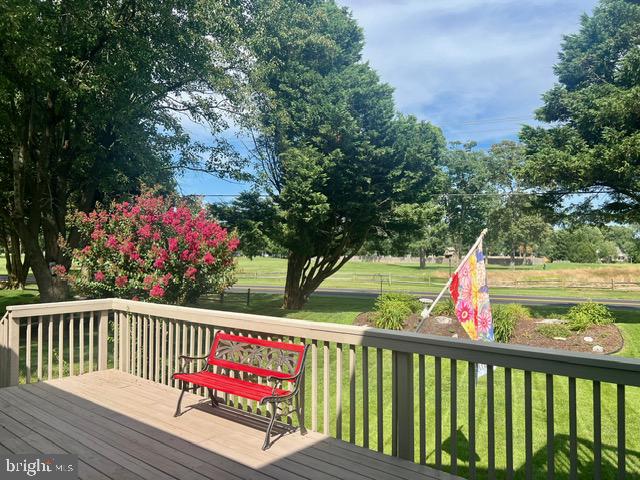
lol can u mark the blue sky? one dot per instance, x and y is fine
(475, 68)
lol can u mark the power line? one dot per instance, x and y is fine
(451, 194)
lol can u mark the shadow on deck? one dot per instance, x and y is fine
(122, 427)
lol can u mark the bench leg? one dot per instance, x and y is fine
(214, 400)
(267, 437)
(303, 431)
(184, 389)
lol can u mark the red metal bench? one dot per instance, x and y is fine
(250, 359)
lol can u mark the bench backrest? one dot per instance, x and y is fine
(256, 356)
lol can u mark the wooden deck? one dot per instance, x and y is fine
(122, 427)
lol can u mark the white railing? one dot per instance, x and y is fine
(386, 390)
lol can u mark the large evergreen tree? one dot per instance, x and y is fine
(593, 140)
(338, 163)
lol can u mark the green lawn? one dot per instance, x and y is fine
(410, 278)
(343, 310)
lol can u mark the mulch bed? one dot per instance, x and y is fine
(607, 336)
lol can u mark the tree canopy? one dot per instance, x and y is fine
(340, 165)
(93, 98)
(592, 142)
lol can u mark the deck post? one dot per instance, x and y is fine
(103, 339)
(10, 347)
(404, 404)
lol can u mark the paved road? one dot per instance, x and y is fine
(497, 298)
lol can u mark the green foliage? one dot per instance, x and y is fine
(392, 314)
(254, 219)
(444, 307)
(505, 319)
(584, 244)
(593, 142)
(554, 330)
(409, 300)
(585, 315)
(93, 97)
(337, 160)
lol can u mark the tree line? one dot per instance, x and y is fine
(96, 100)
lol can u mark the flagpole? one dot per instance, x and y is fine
(446, 285)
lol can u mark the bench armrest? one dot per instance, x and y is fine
(185, 360)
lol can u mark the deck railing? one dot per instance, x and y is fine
(413, 396)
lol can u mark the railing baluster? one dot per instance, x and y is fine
(91, 339)
(422, 409)
(142, 336)
(314, 385)
(352, 393)
(472, 418)
(394, 403)
(339, 391)
(454, 416)
(573, 430)
(438, 410)
(621, 433)
(156, 354)
(491, 431)
(508, 422)
(199, 348)
(81, 344)
(27, 358)
(150, 359)
(40, 335)
(597, 432)
(325, 387)
(365, 397)
(132, 337)
(50, 349)
(379, 400)
(170, 367)
(116, 340)
(71, 345)
(550, 428)
(163, 357)
(528, 426)
(61, 346)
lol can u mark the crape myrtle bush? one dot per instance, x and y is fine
(152, 249)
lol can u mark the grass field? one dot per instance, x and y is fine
(343, 310)
(555, 281)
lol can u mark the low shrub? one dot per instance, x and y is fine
(444, 307)
(505, 318)
(554, 330)
(584, 315)
(409, 300)
(392, 314)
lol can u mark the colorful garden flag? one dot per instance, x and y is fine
(470, 294)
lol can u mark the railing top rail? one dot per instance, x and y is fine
(579, 365)
(56, 308)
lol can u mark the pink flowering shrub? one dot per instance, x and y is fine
(152, 250)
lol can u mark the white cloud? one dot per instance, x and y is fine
(460, 61)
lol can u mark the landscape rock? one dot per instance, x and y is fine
(559, 338)
(598, 349)
(442, 320)
(551, 321)
(588, 339)
(455, 335)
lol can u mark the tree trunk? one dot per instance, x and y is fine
(294, 296)
(423, 259)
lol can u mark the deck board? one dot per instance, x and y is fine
(122, 427)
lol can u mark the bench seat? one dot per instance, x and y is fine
(251, 368)
(232, 386)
